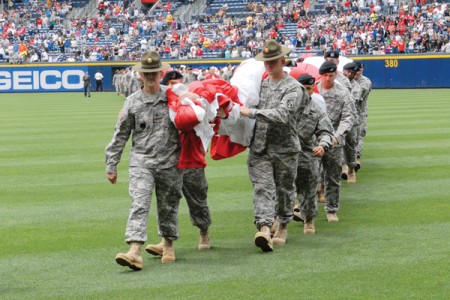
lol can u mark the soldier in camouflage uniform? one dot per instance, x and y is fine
(136, 82)
(333, 56)
(340, 111)
(154, 157)
(273, 157)
(115, 81)
(316, 137)
(366, 86)
(195, 189)
(189, 76)
(350, 167)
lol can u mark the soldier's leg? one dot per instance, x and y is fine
(351, 142)
(332, 161)
(361, 134)
(141, 188)
(301, 183)
(195, 190)
(168, 183)
(261, 175)
(309, 204)
(285, 172)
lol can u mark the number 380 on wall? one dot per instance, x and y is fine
(391, 63)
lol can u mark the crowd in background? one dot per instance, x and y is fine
(41, 30)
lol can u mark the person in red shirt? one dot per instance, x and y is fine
(199, 52)
(401, 46)
(394, 46)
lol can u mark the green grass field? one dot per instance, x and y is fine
(62, 223)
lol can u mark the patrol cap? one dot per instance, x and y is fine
(327, 67)
(351, 66)
(331, 54)
(151, 62)
(306, 79)
(171, 75)
(272, 50)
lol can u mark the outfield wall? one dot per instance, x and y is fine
(394, 71)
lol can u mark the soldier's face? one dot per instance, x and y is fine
(151, 79)
(309, 89)
(172, 82)
(349, 74)
(328, 80)
(274, 67)
(333, 60)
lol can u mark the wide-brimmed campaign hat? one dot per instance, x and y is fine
(151, 62)
(272, 50)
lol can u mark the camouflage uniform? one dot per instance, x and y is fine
(195, 190)
(343, 80)
(154, 157)
(366, 86)
(341, 113)
(136, 83)
(115, 82)
(315, 129)
(273, 157)
(189, 78)
(351, 140)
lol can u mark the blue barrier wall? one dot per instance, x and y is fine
(399, 71)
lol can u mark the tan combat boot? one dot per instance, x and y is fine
(263, 240)
(344, 173)
(133, 258)
(309, 227)
(274, 228)
(321, 193)
(156, 250)
(332, 217)
(168, 255)
(205, 241)
(351, 176)
(280, 235)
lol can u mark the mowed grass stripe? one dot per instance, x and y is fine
(63, 222)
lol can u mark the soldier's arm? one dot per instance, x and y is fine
(113, 151)
(292, 103)
(347, 118)
(324, 132)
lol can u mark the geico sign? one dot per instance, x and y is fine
(41, 80)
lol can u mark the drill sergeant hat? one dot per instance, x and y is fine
(271, 51)
(151, 62)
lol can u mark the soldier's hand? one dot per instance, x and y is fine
(318, 151)
(112, 177)
(245, 111)
(335, 141)
(189, 95)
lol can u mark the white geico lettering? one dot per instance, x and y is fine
(41, 80)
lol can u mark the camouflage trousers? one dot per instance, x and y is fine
(167, 183)
(332, 168)
(306, 184)
(362, 130)
(273, 176)
(195, 190)
(351, 142)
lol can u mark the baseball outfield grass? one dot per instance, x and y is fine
(62, 223)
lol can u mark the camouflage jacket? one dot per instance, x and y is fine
(315, 128)
(340, 110)
(155, 140)
(281, 105)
